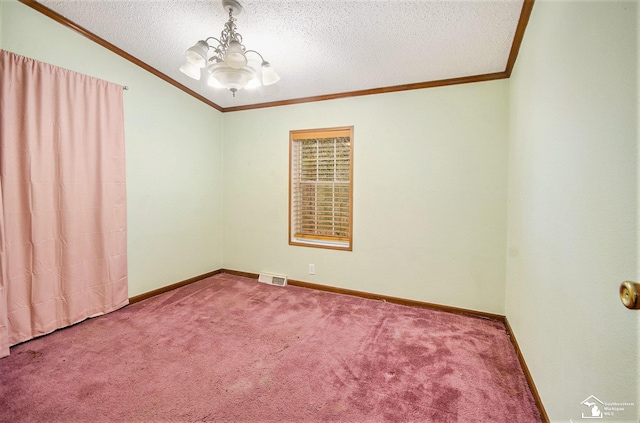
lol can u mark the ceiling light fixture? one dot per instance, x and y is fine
(228, 67)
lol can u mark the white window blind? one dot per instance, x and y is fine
(320, 211)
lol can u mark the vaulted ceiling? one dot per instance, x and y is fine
(321, 48)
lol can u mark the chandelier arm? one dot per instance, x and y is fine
(212, 38)
(253, 51)
(218, 50)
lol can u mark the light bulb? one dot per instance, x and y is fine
(269, 76)
(234, 56)
(198, 54)
(191, 70)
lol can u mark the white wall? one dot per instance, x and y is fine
(429, 194)
(173, 148)
(573, 204)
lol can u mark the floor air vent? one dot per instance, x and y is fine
(271, 279)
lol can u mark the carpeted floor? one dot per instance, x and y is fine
(228, 349)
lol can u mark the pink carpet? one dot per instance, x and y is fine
(228, 349)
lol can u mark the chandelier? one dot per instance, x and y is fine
(226, 63)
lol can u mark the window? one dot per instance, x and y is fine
(321, 191)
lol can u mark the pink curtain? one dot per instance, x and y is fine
(63, 240)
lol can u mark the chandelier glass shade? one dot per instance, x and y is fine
(226, 62)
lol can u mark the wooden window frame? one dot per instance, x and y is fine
(317, 240)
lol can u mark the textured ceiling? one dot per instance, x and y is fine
(318, 47)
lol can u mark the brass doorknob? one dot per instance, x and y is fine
(629, 295)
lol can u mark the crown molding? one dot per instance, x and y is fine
(525, 13)
(104, 43)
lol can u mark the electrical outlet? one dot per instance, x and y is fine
(312, 269)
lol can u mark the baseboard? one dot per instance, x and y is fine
(527, 374)
(379, 297)
(171, 287)
(395, 300)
